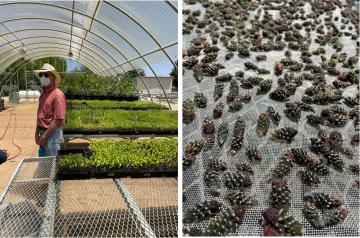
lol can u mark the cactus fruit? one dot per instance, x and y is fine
(253, 154)
(224, 78)
(334, 217)
(300, 155)
(275, 116)
(309, 178)
(319, 167)
(208, 126)
(218, 91)
(355, 168)
(239, 198)
(280, 94)
(263, 124)
(288, 226)
(315, 120)
(236, 105)
(312, 215)
(188, 111)
(210, 142)
(188, 160)
(222, 133)
(293, 110)
(334, 159)
(261, 57)
(191, 231)
(233, 91)
(198, 73)
(283, 168)
(236, 180)
(218, 110)
(265, 85)
(244, 167)
(194, 147)
(217, 164)
(211, 178)
(200, 100)
(226, 222)
(286, 133)
(250, 65)
(280, 195)
(323, 201)
(202, 211)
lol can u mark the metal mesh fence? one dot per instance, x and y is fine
(34, 204)
(93, 208)
(157, 200)
(340, 185)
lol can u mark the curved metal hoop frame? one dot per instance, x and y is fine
(98, 64)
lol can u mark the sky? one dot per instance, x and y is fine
(161, 69)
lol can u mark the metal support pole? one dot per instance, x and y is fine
(134, 208)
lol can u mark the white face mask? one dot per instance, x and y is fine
(44, 81)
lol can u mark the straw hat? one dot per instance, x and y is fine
(48, 68)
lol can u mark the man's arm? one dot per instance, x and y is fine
(37, 136)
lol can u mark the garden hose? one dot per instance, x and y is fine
(12, 140)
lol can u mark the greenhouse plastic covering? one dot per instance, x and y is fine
(108, 37)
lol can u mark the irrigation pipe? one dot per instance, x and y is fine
(12, 140)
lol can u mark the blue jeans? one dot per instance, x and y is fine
(52, 145)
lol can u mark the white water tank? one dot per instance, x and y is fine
(30, 93)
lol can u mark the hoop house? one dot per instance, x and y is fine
(108, 37)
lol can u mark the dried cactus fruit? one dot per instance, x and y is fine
(253, 154)
(239, 198)
(218, 110)
(188, 111)
(288, 226)
(236, 144)
(300, 155)
(233, 91)
(244, 167)
(305, 107)
(280, 94)
(210, 142)
(285, 133)
(211, 178)
(309, 178)
(278, 68)
(316, 120)
(239, 127)
(263, 71)
(318, 145)
(215, 191)
(217, 164)
(210, 69)
(188, 160)
(191, 231)
(194, 147)
(229, 56)
(293, 110)
(224, 78)
(312, 215)
(250, 65)
(198, 73)
(335, 217)
(263, 124)
(191, 62)
(202, 211)
(335, 139)
(222, 134)
(236, 105)
(275, 116)
(319, 167)
(334, 159)
(244, 52)
(200, 100)
(355, 168)
(218, 91)
(280, 195)
(226, 222)
(283, 168)
(208, 126)
(271, 216)
(265, 85)
(210, 57)
(323, 201)
(261, 57)
(236, 180)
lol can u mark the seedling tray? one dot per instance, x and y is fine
(83, 152)
(117, 174)
(115, 132)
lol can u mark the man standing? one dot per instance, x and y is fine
(51, 111)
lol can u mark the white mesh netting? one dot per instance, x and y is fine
(340, 185)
